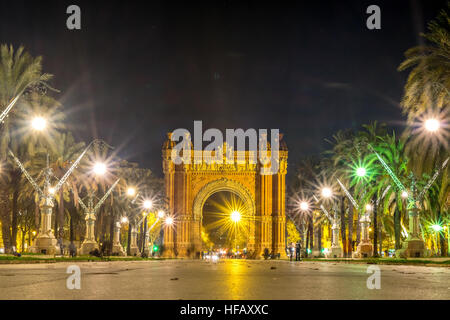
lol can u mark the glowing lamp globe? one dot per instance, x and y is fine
(100, 168)
(131, 192)
(169, 221)
(124, 220)
(436, 227)
(404, 194)
(368, 207)
(161, 214)
(432, 125)
(235, 216)
(148, 204)
(304, 206)
(326, 192)
(39, 123)
(361, 172)
(51, 190)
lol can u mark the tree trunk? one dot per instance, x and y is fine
(23, 241)
(71, 229)
(130, 226)
(15, 215)
(375, 229)
(111, 233)
(343, 232)
(60, 218)
(350, 229)
(311, 235)
(143, 234)
(358, 228)
(5, 216)
(397, 228)
(319, 238)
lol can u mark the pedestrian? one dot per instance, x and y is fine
(72, 249)
(297, 251)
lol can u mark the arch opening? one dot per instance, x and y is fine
(226, 224)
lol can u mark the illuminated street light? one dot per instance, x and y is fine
(361, 172)
(304, 206)
(436, 227)
(51, 190)
(100, 168)
(131, 191)
(169, 221)
(368, 207)
(326, 192)
(235, 216)
(404, 194)
(432, 125)
(39, 123)
(161, 214)
(124, 220)
(148, 204)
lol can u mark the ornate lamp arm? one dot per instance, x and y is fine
(349, 196)
(97, 206)
(25, 172)
(392, 174)
(83, 205)
(436, 174)
(383, 195)
(324, 210)
(75, 164)
(9, 107)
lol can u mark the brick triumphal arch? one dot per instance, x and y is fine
(188, 186)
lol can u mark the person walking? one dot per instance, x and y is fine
(297, 251)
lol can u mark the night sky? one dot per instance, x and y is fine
(138, 69)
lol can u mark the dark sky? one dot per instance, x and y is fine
(138, 69)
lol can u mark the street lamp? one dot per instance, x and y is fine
(368, 207)
(39, 123)
(361, 172)
(99, 168)
(432, 125)
(304, 206)
(148, 204)
(404, 194)
(124, 220)
(161, 214)
(169, 221)
(235, 216)
(326, 192)
(131, 191)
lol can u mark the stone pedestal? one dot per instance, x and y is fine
(364, 250)
(89, 244)
(134, 250)
(365, 247)
(45, 240)
(117, 247)
(414, 246)
(335, 250)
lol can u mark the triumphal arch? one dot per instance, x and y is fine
(188, 186)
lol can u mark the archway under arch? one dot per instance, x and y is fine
(225, 224)
(243, 202)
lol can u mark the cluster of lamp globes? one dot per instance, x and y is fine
(327, 193)
(40, 123)
(147, 205)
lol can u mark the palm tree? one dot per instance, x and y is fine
(428, 82)
(19, 72)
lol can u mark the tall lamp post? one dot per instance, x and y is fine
(414, 245)
(45, 240)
